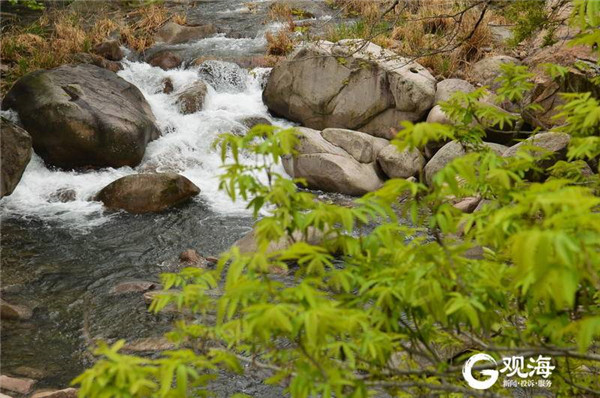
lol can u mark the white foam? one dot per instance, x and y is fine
(184, 147)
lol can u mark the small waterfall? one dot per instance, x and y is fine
(184, 147)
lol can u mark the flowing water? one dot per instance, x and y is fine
(61, 258)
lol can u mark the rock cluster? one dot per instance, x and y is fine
(350, 84)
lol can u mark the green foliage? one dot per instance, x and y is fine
(392, 291)
(529, 17)
(31, 4)
(359, 29)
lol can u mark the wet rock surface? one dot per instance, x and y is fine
(15, 154)
(83, 116)
(145, 193)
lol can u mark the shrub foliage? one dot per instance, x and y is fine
(402, 287)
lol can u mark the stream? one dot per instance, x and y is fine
(62, 258)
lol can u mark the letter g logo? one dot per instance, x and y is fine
(468, 375)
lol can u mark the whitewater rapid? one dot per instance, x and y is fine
(185, 145)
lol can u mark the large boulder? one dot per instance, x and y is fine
(546, 92)
(191, 99)
(145, 193)
(330, 168)
(451, 151)
(83, 116)
(400, 164)
(446, 88)
(15, 154)
(362, 147)
(351, 84)
(173, 33)
(553, 144)
(484, 72)
(335, 173)
(437, 115)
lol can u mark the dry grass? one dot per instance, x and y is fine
(445, 45)
(367, 9)
(429, 31)
(57, 35)
(280, 43)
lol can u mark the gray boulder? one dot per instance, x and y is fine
(352, 84)
(83, 116)
(328, 167)
(448, 153)
(336, 173)
(223, 76)
(484, 72)
(556, 143)
(191, 99)
(437, 115)
(15, 154)
(145, 193)
(400, 164)
(362, 147)
(446, 88)
(252, 121)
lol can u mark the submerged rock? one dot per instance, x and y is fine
(133, 286)
(350, 84)
(83, 116)
(223, 76)
(252, 121)
(144, 193)
(191, 257)
(191, 99)
(15, 154)
(63, 195)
